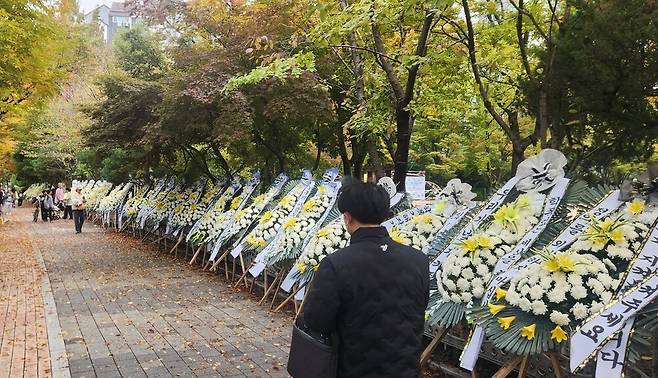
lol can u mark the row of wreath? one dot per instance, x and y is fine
(545, 262)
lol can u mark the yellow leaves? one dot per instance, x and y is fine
(529, 331)
(505, 322)
(494, 309)
(558, 334)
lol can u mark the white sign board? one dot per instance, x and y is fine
(415, 185)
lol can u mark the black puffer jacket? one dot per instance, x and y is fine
(373, 294)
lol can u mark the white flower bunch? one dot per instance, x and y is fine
(132, 206)
(566, 288)
(96, 194)
(112, 201)
(165, 204)
(326, 241)
(421, 229)
(297, 228)
(271, 221)
(187, 209)
(212, 223)
(242, 219)
(465, 273)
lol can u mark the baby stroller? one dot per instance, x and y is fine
(56, 212)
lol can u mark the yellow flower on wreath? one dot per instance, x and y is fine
(494, 309)
(439, 207)
(529, 331)
(289, 223)
(558, 334)
(287, 200)
(310, 204)
(323, 232)
(560, 262)
(235, 203)
(507, 214)
(396, 235)
(426, 218)
(506, 322)
(301, 267)
(470, 244)
(266, 216)
(635, 207)
(500, 293)
(255, 242)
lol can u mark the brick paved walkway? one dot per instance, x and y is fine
(125, 310)
(24, 342)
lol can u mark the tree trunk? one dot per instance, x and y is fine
(403, 138)
(375, 159)
(518, 155)
(317, 159)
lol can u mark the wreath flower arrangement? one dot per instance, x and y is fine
(271, 220)
(213, 222)
(296, 228)
(464, 274)
(547, 300)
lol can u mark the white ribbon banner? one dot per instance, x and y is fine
(609, 321)
(405, 216)
(496, 200)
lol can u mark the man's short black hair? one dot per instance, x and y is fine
(368, 203)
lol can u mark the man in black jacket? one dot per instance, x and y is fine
(372, 294)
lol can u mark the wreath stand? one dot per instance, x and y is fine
(196, 254)
(518, 362)
(521, 362)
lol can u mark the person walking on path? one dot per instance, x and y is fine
(372, 294)
(59, 195)
(68, 205)
(78, 201)
(10, 197)
(46, 206)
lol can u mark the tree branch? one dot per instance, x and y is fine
(532, 19)
(393, 79)
(421, 51)
(476, 73)
(368, 50)
(523, 43)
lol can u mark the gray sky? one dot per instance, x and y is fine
(88, 5)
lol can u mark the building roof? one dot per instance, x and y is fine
(120, 7)
(97, 8)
